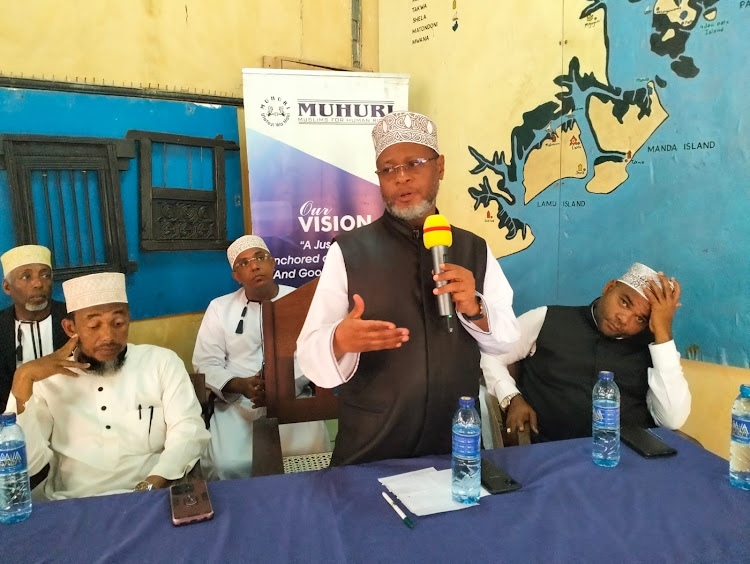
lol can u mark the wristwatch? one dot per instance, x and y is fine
(143, 486)
(505, 404)
(479, 315)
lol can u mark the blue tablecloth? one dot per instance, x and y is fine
(680, 509)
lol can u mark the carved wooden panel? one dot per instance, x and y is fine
(185, 217)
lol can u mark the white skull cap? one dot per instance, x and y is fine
(404, 127)
(242, 244)
(94, 289)
(638, 275)
(23, 255)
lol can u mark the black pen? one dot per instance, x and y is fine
(139, 411)
(150, 419)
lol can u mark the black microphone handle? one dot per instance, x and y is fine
(445, 303)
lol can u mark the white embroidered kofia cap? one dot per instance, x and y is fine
(244, 243)
(404, 127)
(637, 276)
(23, 255)
(95, 289)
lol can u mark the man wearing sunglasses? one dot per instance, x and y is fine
(374, 330)
(229, 351)
(31, 327)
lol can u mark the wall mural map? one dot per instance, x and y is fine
(635, 149)
(615, 123)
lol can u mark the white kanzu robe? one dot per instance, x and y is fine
(36, 338)
(222, 354)
(104, 434)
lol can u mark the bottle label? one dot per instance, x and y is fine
(465, 445)
(740, 430)
(606, 417)
(12, 461)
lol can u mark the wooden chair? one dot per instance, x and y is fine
(498, 428)
(205, 396)
(206, 399)
(282, 323)
(500, 437)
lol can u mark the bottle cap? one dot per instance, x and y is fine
(606, 375)
(745, 391)
(466, 401)
(7, 419)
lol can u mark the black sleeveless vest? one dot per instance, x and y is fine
(558, 380)
(400, 402)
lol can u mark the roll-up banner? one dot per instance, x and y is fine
(311, 160)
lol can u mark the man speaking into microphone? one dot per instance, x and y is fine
(375, 328)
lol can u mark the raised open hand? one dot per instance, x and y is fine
(355, 334)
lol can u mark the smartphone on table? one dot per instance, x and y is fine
(495, 480)
(190, 502)
(645, 443)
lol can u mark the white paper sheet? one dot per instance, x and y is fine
(425, 491)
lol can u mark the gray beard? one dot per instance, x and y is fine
(103, 368)
(411, 213)
(37, 307)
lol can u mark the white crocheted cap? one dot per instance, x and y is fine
(404, 127)
(95, 289)
(23, 255)
(244, 243)
(637, 276)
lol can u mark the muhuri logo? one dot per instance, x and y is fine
(342, 111)
(275, 111)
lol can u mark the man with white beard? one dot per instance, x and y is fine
(31, 327)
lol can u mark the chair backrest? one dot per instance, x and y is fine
(204, 395)
(498, 427)
(282, 322)
(495, 421)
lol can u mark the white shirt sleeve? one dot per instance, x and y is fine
(498, 306)
(668, 397)
(330, 305)
(209, 355)
(186, 432)
(495, 367)
(36, 423)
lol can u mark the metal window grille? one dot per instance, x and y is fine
(65, 195)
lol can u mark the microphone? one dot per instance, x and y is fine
(438, 237)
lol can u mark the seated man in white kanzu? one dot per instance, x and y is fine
(107, 416)
(229, 351)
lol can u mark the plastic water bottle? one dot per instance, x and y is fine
(467, 430)
(739, 446)
(605, 424)
(15, 491)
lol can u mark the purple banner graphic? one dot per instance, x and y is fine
(300, 203)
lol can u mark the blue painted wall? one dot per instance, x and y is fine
(166, 283)
(683, 211)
